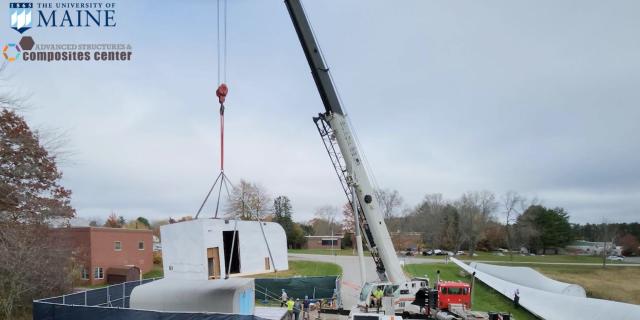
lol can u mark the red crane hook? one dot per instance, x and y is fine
(222, 92)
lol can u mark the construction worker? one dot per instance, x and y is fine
(516, 299)
(297, 306)
(290, 305)
(305, 305)
(283, 298)
(377, 297)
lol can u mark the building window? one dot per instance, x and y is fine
(328, 242)
(141, 245)
(117, 246)
(98, 273)
(85, 274)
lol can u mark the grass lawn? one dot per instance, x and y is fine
(613, 283)
(296, 268)
(305, 268)
(337, 252)
(156, 272)
(484, 298)
(488, 256)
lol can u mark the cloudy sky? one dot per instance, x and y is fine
(541, 97)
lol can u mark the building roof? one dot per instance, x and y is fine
(105, 229)
(334, 237)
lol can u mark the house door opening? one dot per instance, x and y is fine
(213, 263)
(228, 240)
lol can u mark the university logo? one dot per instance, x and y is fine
(20, 13)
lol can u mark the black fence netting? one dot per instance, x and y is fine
(49, 311)
(312, 287)
(112, 302)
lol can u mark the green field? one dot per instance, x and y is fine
(305, 268)
(482, 256)
(156, 272)
(517, 258)
(336, 252)
(614, 283)
(484, 298)
(296, 268)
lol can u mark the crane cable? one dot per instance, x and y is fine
(222, 90)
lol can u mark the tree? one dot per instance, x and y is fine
(544, 228)
(389, 202)
(296, 238)
(282, 208)
(112, 221)
(630, 245)
(248, 201)
(156, 224)
(512, 202)
(122, 221)
(348, 219)
(324, 222)
(136, 225)
(475, 210)
(282, 212)
(144, 221)
(33, 261)
(30, 190)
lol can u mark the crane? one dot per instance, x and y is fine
(341, 144)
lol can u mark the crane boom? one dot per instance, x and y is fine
(354, 173)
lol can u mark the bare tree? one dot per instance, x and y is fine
(389, 201)
(475, 209)
(512, 204)
(248, 201)
(324, 222)
(348, 219)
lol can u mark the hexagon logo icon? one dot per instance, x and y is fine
(26, 43)
(11, 52)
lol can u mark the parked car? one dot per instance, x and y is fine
(409, 252)
(615, 258)
(459, 253)
(427, 252)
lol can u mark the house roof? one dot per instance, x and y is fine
(105, 229)
(334, 237)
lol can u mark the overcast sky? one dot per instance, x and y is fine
(541, 97)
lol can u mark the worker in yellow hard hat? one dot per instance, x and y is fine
(290, 305)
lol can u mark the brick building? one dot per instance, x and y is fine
(324, 242)
(99, 249)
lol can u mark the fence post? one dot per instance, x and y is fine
(63, 299)
(85, 297)
(123, 292)
(266, 291)
(314, 292)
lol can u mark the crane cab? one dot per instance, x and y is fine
(402, 295)
(453, 292)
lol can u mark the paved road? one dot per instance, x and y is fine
(350, 286)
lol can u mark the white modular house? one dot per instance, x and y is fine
(204, 249)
